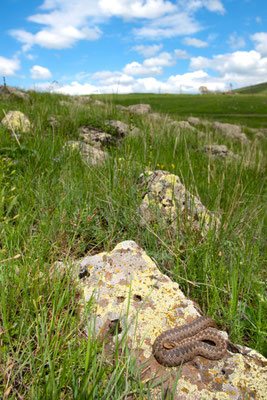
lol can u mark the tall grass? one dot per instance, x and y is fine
(54, 207)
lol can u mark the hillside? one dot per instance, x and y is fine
(261, 88)
(78, 177)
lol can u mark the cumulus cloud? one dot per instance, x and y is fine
(66, 21)
(194, 42)
(241, 67)
(8, 66)
(150, 66)
(148, 51)
(38, 72)
(261, 42)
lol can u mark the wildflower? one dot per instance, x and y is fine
(56, 159)
(17, 134)
(173, 166)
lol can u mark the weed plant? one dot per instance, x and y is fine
(54, 207)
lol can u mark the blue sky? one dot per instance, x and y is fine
(127, 46)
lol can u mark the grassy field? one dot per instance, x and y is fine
(245, 110)
(54, 207)
(255, 89)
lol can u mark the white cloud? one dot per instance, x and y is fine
(38, 72)
(148, 51)
(8, 66)
(242, 67)
(261, 42)
(236, 42)
(151, 66)
(136, 69)
(66, 21)
(169, 26)
(194, 42)
(182, 54)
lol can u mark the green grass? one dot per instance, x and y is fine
(231, 108)
(261, 89)
(54, 207)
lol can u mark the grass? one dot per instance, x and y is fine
(54, 207)
(245, 110)
(261, 89)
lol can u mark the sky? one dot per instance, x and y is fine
(133, 46)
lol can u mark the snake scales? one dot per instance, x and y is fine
(182, 344)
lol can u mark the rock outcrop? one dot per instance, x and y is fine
(8, 91)
(140, 108)
(168, 202)
(17, 121)
(134, 302)
(89, 154)
(218, 150)
(122, 129)
(230, 131)
(95, 137)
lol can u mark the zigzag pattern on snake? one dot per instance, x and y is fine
(182, 344)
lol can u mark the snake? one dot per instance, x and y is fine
(180, 345)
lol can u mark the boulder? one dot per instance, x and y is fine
(216, 150)
(140, 108)
(134, 302)
(89, 154)
(230, 131)
(96, 137)
(121, 128)
(194, 121)
(8, 91)
(167, 201)
(17, 121)
(121, 108)
(184, 125)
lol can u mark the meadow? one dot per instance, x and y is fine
(54, 207)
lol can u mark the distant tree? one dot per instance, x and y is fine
(203, 89)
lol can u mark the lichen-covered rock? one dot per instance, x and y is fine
(121, 128)
(140, 108)
(184, 125)
(135, 302)
(231, 131)
(17, 121)
(96, 137)
(8, 91)
(218, 150)
(194, 121)
(89, 154)
(168, 202)
(121, 108)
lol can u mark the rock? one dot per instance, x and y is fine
(89, 154)
(194, 121)
(121, 128)
(8, 91)
(99, 103)
(17, 121)
(121, 108)
(167, 200)
(64, 103)
(96, 137)
(156, 117)
(140, 108)
(184, 125)
(134, 302)
(230, 131)
(260, 135)
(216, 150)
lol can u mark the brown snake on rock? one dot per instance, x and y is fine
(182, 344)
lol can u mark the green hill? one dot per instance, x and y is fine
(261, 88)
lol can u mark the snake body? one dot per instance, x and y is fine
(182, 344)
